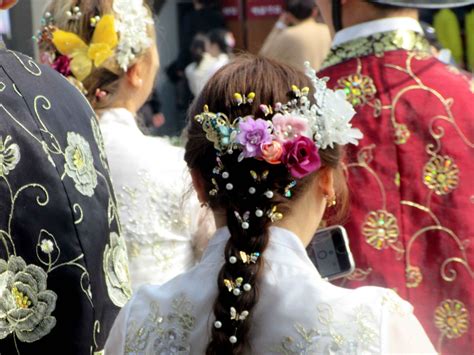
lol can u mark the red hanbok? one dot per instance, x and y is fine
(411, 224)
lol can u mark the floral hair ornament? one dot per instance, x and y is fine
(83, 56)
(122, 36)
(297, 131)
(240, 99)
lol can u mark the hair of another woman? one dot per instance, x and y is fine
(271, 82)
(198, 48)
(219, 37)
(101, 79)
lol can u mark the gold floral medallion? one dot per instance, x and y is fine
(441, 174)
(380, 229)
(402, 134)
(413, 276)
(359, 88)
(452, 318)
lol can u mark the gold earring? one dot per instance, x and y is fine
(331, 201)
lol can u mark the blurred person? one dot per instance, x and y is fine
(268, 188)
(297, 37)
(220, 45)
(412, 174)
(63, 261)
(197, 72)
(150, 177)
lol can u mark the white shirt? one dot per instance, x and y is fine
(372, 27)
(198, 75)
(297, 312)
(150, 179)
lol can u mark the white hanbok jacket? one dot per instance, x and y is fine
(297, 313)
(150, 179)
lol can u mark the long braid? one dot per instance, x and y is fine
(251, 193)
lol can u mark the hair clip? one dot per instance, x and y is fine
(266, 109)
(288, 188)
(269, 194)
(261, 177)
(300, 92)
(100, 94)
(94, 20)
(249, 258)
(274, 215)
(236, 316)
(234, 287)
(243, 219)
(215, 190)
(240, 99)
(75, 14)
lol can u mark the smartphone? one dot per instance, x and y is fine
(329, 251)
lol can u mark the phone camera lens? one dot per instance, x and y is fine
(322, 254)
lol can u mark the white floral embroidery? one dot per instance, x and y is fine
(358, 333)
(165, 334)
(79, 164)
(9, 155)
(116, 271)
(25, 303)
(47, 246)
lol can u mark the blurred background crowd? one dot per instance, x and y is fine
(197, 37)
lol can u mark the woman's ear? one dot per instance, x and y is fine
(198, 184)
(326, 182)
(135, 74)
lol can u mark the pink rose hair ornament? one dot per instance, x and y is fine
(297, 130)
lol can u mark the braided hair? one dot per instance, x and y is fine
(251, 193)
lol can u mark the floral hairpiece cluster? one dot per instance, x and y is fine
(121, 35)
(295, 133)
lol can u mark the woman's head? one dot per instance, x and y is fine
(105, 47)
(198, 47)
(256, 165)
(220, 41)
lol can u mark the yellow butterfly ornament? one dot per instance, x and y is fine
(104, 40)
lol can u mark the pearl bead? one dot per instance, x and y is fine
(245, 225)
(217, 324)
(232, 260)
(259, 213)
(47, 14)
(233, 339)
(229, 186)
(76, 9)
(236, 292)
(225, 175)
(269, 194)
(247, 287)
(252, 190)
(68, 13)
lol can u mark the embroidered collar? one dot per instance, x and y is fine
(121, 116)
(284, 247)
(377, 44)
(377, 26)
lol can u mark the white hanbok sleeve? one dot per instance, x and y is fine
(401, 331)
(115, 344)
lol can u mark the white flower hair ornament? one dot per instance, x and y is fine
(132, 21)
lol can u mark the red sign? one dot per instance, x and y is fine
(264, 8)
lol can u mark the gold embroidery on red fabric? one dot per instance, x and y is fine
(441, 174)
(451, 317)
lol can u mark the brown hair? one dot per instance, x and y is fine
(271, 82)
(104, 78)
